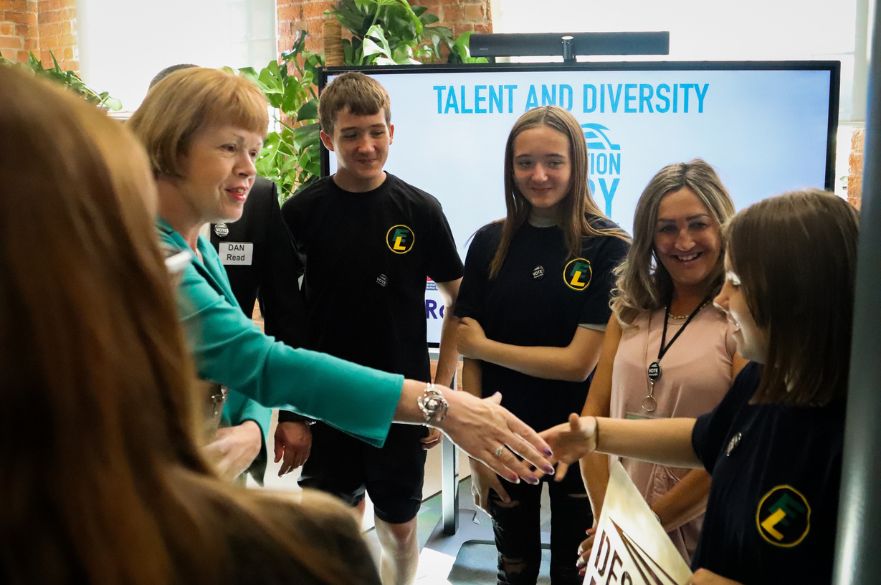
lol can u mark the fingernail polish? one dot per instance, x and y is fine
(548, 453)
(549, 469)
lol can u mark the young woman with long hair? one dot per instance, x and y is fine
(534, 302)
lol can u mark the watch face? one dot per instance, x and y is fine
(433, 405)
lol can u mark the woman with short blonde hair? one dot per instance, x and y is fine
(111, 488)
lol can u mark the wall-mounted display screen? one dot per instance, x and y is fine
(767, 127)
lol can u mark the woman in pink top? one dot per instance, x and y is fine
(668, 352)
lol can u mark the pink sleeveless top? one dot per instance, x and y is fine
(696, 374)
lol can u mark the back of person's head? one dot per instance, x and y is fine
(191, 99)
(94, 383)
(795, 256)
(103, 482)
(643, 282)
(360, 94)
(168, 71)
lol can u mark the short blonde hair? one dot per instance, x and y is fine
(189, 100)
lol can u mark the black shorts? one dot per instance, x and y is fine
(343, 466)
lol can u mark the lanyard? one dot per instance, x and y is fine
(649, 404)
(664, 345)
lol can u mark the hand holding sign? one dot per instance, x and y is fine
(630, 544)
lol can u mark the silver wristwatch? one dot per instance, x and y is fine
(433, 405)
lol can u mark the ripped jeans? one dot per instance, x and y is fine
(518, 532)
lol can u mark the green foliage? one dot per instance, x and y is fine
(384, 32)
(459, 51)
(291, 154)
(69, 79)
(391, 32)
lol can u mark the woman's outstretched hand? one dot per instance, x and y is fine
(571, 441)
(489, 433)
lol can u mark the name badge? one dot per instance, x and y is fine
(236, 253)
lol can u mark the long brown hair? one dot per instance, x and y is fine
(103, 481)
(577, 207)
(796, 258)
(643, 283)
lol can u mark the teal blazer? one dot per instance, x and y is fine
(229, 349)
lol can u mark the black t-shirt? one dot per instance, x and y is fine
(539, 298)
(773, 504)
(367, 257)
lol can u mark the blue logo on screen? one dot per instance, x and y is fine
(604, 163)
(597, 137)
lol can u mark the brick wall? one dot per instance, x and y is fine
(56, 20)
(294, 15)
(462, 15)
(18, 28)
(308, 15)
(855, 166)
(50, 25)
(39, 26)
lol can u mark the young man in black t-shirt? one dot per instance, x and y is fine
(368, 242)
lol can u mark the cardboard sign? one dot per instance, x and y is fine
(631, 547)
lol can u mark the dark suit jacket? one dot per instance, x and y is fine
(259, 257)
(268, 273)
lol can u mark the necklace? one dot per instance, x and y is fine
(649, 404)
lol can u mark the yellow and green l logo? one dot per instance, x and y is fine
(783, 516)
(400, 239)
(577, 274)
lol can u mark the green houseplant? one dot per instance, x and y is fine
(291, 154)
(69, 79)
(383, 32)
(392, 32)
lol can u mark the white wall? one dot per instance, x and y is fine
(709, 29)
(725, 30)
(124, 43)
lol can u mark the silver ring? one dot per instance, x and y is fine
(498, 451)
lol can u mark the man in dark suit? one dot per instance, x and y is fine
(262, 265)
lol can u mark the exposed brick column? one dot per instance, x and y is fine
(855, 165)
(39, 26)
(308, 15)
(58, 32)
(462, 15)
(295, 15)
(18, 29)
